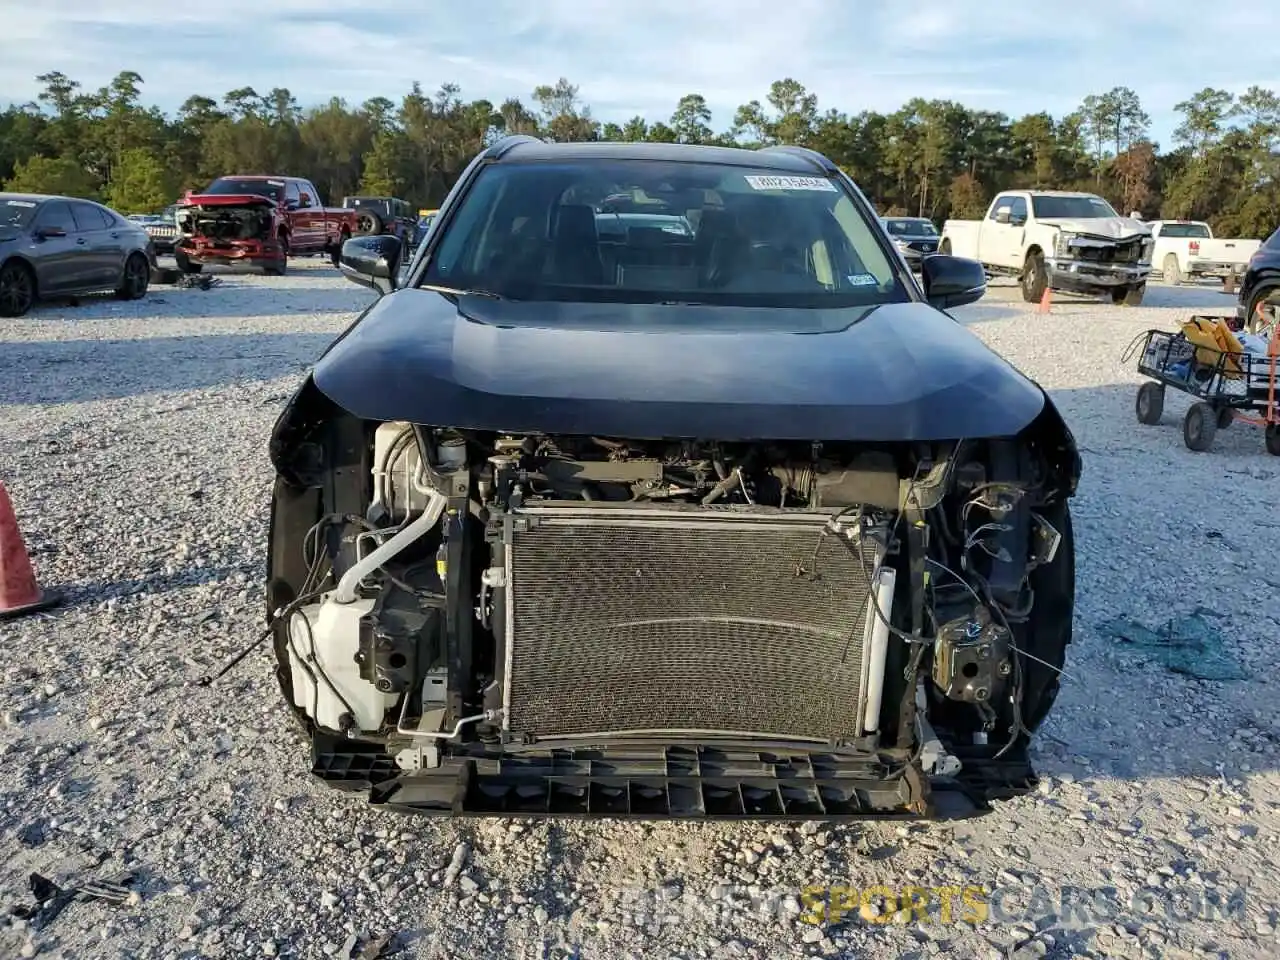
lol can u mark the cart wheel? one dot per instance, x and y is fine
(1150, 404)
(1200, 426)
(1272, 437)
(1226, 416)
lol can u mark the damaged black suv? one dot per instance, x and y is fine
(660, 487)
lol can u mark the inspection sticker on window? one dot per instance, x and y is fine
(791, 183)
(862, 280)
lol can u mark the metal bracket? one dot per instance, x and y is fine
(418, 758)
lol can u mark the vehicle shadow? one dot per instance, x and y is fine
(76, 371)
(1146, 536)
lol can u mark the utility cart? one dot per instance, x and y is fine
(1232, 375)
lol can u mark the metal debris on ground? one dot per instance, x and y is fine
(1190, 645)
(52, 899)
(201, 280)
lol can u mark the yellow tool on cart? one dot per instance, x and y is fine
(1232, 375)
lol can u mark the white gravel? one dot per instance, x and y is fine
(133, 441)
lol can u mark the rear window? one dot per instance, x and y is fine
(649, 231)
(1200, 230)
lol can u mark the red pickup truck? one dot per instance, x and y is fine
(259, 221)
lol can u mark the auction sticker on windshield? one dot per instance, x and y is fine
(862, 280)
(791, 183)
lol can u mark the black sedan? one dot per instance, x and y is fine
(60, 246)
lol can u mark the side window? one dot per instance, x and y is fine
(56, 215)
(1018, 210)
(291, 192)
(88, 217)
(309, 188)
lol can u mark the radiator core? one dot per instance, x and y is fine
(686, 619)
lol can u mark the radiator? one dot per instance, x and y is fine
(720, 620)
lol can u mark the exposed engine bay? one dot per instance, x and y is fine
(472, 621)
(224, 222)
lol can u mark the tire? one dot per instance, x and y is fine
(283, 267)
(1251, 318)
(136, 279)
(1035, 279)
(185, 264)
(368, 223)
(1049, 632)
(1129, 296)
(1199, 427)
(17, 289)
(1171, 274)
(335, 252)
(1226, 417)
(1271, 436)
(1150, 403)
(945, 248)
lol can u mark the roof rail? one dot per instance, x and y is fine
(813, 156)
(506, 143)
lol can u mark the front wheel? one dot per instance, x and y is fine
(945, 249)
(1150, 403)
(1272, 438)
(1035, 279)
(17, 289)
(184, 262)
(137, 277)
(1200, 427)
(278, 269)
(1129, 296)
(335, 252)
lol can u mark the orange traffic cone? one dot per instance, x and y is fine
(19, 592)
(1046, 301)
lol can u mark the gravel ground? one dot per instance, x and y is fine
(132, 439)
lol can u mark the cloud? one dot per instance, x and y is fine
(640, 56)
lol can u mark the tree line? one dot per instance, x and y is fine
(933, 158)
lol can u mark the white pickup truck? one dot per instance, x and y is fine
(1051, 239)
(1188, 250)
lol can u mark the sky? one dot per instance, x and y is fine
(631, 57)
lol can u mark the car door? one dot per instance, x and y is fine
(318, 225)
(104, 261)
(1002, 235)
(58, 252)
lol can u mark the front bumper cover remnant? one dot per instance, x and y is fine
(1083, 275)
(664, 782)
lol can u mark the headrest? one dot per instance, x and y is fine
(575, 222)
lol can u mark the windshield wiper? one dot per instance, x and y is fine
(458, 292)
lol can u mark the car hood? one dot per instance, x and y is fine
(895, 372)
(228, 200)
(1112, 228)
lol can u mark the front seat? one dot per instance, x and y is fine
(575, 251)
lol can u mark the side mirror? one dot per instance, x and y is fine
(1003, 215)
(372, 262)
(48, 233)
(952, 281)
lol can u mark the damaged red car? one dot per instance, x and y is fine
(258, 221)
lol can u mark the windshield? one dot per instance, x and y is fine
(1200, 230)
(17, 212)
(910, 228)
(633, 231)
(1072, 208)
(230, 186)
